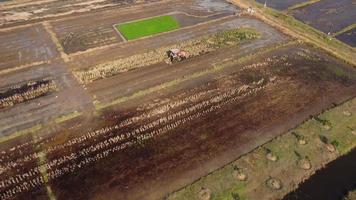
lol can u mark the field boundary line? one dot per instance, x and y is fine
(302, 5)
(42, 159)
(10, 5)
(20, 133)
(142, 38)
(14, 28)
(13, 69)
(58, 120)
(48, 27)
(119, 33)
(347, 28)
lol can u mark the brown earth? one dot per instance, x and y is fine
(224, 119)
(149, 146)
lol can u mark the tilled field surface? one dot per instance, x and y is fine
(99, 31)
(25, 46)
(146, 149)
(15, 12)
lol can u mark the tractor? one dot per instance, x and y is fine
(177, 55)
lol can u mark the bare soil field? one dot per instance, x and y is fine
(100, 32)
(145, 149)
(349, 37)
(67, 97)
(25, 46)
(19, 12)
(170, 123)
(328, 16)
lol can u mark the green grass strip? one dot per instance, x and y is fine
(348, 28)
(67, 117)
(302, 5)
(20, 133)
(147, 27)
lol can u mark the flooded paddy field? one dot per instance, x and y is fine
(281, 5)
(146, 148)
(349, 37)
(329, 15)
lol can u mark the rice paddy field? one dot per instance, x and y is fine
(142, 28)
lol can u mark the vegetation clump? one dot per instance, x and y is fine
(303, 162)
(329, 146)
(239, 174)
(270, 155)
(326, 123)
(300, 138)
(347, 113)
(235, 196)
(274, 183)
(204, 194)
(232, 37)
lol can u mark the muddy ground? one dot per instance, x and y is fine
(145, 147)
(32, 65)
(144, 151)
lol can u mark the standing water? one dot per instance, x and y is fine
(330, 183)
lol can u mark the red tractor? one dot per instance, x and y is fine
(177, 55)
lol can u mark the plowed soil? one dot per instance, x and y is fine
(146, 149)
